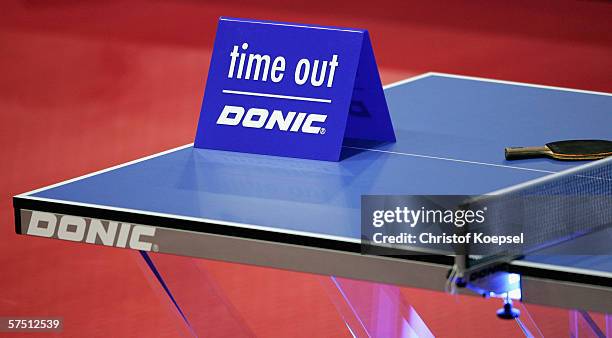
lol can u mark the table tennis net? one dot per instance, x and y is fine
(548, 212)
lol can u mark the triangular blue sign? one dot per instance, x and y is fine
(291, 90)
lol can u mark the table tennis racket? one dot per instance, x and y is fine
(571, 150)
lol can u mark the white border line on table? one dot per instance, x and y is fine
(483, 79)
(408, 80)
(451, 159)
(196, 219)
(23, 195)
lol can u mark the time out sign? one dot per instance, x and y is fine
(291, 90)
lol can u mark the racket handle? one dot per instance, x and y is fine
(517, 153)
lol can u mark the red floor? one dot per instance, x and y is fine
(86, 85)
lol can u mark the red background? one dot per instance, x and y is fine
(89, 84)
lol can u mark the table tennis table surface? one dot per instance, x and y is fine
(305, 215)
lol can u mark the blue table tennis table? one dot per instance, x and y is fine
(304, 215)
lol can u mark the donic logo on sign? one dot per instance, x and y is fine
(261, 118)
(289, 89)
